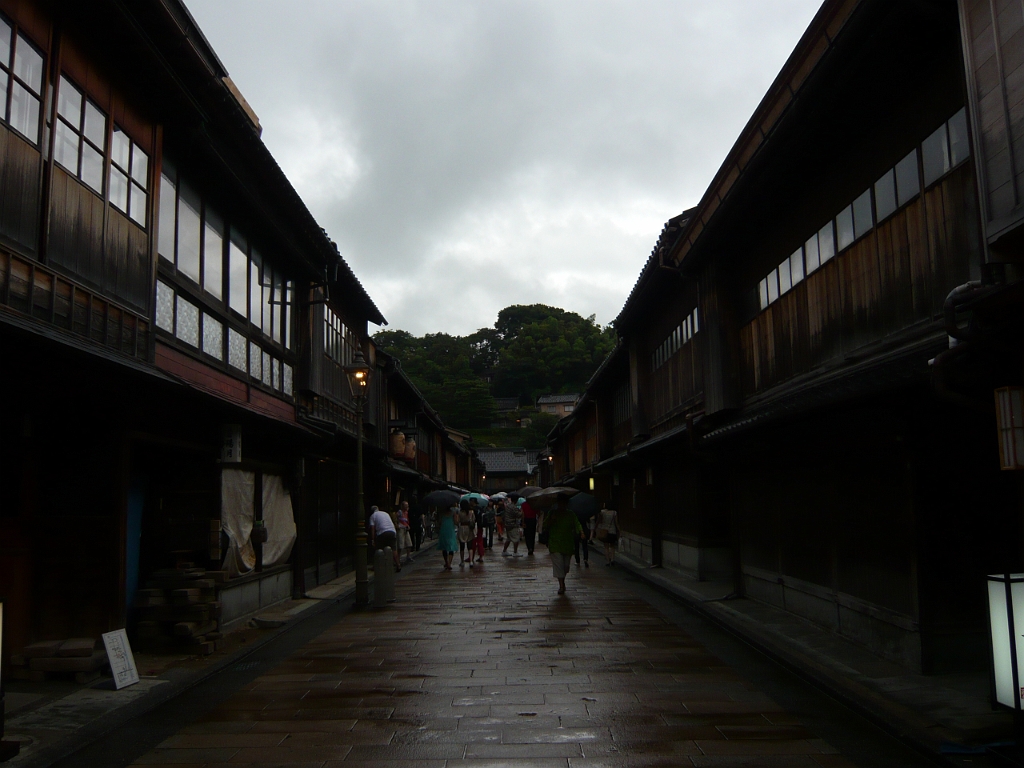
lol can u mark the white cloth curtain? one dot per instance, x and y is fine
(237, 506)
(279, 519)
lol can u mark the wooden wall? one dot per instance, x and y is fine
(677, 382)
(895, 276)
(20, 192)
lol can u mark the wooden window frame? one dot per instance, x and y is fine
(8, 68)
(132, 182)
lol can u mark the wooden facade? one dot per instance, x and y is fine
(428, 455)
(163, 286)
(820, 434)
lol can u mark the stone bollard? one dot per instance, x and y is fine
(389, 569)
(380, 571)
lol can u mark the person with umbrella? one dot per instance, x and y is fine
(489, 519)
(447, 541)
(562, 527)
(447, 503)
(529, 526)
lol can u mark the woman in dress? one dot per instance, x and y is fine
(446, 538)
(513, 517)
(608, 531)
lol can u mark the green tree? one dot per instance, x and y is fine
(531, 350)
(547, 350)
(439, 365)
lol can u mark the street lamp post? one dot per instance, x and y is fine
(358, 379)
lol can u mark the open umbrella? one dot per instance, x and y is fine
(528, 490)
(584, 505)
(441, 499)
(480, 498)
(547, 496)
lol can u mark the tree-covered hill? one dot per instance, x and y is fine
(531, 350)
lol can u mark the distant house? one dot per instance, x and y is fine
(506, 405)
(506, 469)
(559, 405)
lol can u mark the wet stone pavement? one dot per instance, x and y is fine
(487, 666)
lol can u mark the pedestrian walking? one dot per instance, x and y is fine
(447, 540)
(513, 527)
(529, 526)
(416, 523)
(467, 532)
(607, 531)
(489, 518)
(562, 527)
(499, 518)
(584, 537)
(404, 532)
(478, 540)
(382, 534)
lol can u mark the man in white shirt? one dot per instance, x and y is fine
(383, 534)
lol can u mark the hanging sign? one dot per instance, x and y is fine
(231, 443)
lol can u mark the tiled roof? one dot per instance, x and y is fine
(551, 399)
(506, 403)
(509, 460)
(670, 233)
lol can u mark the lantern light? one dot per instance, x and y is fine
(358, 372)
(1010, 423)
(591, 483)
(1005, 611)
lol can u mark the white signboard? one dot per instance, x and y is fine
(122, 663)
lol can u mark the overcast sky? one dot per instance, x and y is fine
(468, 155)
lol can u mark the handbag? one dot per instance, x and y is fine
(602, 534)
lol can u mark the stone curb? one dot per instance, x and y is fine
(907, 725)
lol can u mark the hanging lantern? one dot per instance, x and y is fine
(1010, 423)
(1005, 611)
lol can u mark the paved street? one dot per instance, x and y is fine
(489, 667)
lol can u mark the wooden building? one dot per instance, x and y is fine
(507, 469)
(419, 453)
(801, 401)
(174, 326)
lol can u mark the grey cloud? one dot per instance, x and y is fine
(477, 147)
